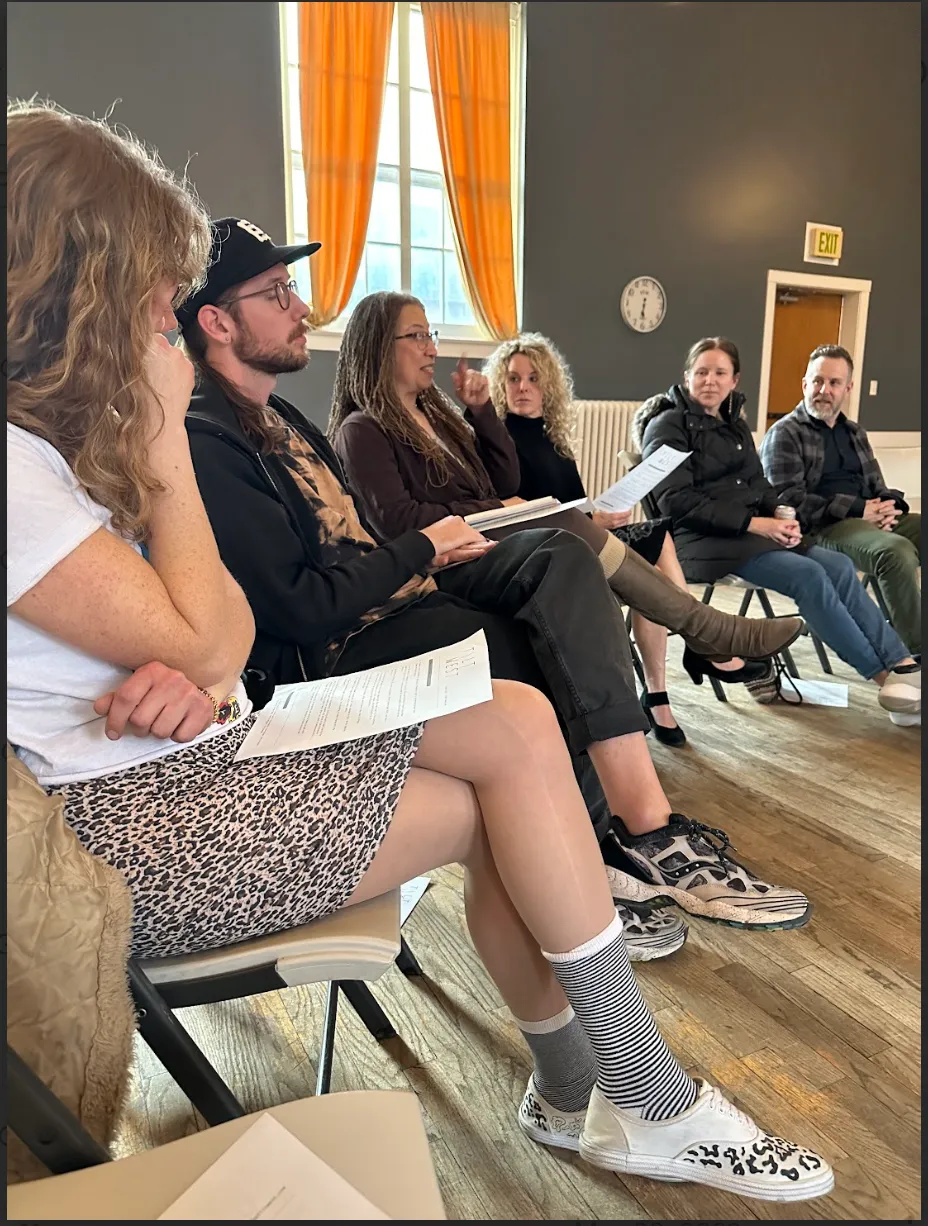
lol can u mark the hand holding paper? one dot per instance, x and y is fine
(634, 486)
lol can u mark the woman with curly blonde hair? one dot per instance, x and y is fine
(533, 392)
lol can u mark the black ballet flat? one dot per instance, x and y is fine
(699, 667)
(675, 737)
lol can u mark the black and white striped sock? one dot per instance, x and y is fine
(565, 1067)
(636, 1069)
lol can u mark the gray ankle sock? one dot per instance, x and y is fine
(565, 1068)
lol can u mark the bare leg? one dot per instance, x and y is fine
(493, 789)
(651, 641)
(669, 564)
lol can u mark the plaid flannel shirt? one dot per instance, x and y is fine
(793, 456)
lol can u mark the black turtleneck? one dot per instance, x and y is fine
(544, 472)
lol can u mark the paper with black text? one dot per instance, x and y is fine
(310, 714)
(629, 491)
(522, 512)
(267, 1175)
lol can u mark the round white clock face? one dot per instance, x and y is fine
(644, 304)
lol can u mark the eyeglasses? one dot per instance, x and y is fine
(421, 338)
(282, 290)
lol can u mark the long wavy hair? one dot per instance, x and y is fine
(365, 380)
(94, 223)
(554, 381)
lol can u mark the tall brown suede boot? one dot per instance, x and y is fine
(707, 631)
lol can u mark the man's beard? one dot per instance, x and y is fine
(267, 360)
(823, 411)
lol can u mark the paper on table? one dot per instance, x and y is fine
(267, 1175)
(522, 513)
(630, 490)
(311, 714)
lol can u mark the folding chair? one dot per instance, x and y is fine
(375, 1139)
(345, 950)
(871, 585)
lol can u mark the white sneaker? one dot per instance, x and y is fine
(905, 721)
(712, 1143)
(547, 1124)
(902, 692)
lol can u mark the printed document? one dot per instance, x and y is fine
(311, 714)
(267, 1175)
(634, 486)
(522, 512)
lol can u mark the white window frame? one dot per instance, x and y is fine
(456, 341)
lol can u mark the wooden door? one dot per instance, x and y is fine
(800, 324)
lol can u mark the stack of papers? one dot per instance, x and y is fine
(522, 512)
(267, 1175)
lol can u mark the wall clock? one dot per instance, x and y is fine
(644, 304)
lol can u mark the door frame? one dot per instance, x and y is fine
(852, 333)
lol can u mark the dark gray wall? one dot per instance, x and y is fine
(693, 142)
(688, 141)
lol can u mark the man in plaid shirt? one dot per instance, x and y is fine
(823, 465)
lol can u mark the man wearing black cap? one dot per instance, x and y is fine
(328, 598)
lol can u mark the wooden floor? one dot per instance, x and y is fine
(814, 1032)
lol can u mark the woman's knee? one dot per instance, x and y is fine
(523, 713)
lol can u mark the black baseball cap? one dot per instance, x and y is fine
(240, 251)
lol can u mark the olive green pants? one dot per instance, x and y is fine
(893, 559)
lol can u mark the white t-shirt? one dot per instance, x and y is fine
(52, 686)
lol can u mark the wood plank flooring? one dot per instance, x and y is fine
(815, 1032)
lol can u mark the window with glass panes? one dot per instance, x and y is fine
(410, 242)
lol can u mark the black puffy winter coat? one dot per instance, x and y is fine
(713, 496)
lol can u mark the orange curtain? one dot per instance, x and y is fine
(468, 54)
(343, 72)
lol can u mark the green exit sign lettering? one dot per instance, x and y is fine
(823, 243)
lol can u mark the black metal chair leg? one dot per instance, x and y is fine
(768, 612)
(407, 962)
(718, 689)
(874, 586)
(707, 594)
(327, 1051)
(821, 653)
(179, 1054)
(44, 1124)
(746, 602)
(364, 1003)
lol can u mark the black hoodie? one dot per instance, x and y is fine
(269, 540)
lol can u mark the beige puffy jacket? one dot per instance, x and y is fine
(69, 1012)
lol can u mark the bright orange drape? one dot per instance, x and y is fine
(468, 54)
(343, 71)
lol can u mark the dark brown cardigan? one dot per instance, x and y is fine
(393, 486)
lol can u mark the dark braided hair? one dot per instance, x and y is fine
(365, 381)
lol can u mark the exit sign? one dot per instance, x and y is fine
(823, 243)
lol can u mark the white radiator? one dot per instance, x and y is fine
(603, 430)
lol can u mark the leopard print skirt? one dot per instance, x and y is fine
(217, 851)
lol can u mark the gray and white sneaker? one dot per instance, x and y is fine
(650, 932)
(688, 863)
(902, 690)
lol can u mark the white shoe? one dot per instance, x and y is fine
(712, 1143)
(548, 1125)
(902, 692)
(905, 721)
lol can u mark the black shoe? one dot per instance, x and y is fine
(674, 737)
(699, 667)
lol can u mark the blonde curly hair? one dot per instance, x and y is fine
(554, 380)
(94, 222)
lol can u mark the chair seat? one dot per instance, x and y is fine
(373, 1138)
(358, 942)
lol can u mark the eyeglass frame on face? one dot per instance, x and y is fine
(421, 338)
(282, 290)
